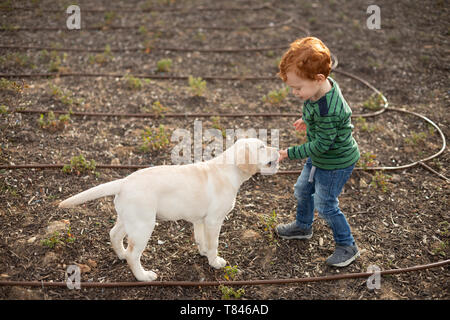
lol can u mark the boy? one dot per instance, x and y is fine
(331, 150)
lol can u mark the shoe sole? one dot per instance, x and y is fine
(346, 262)
(296, 237)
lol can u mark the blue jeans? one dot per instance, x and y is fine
(322, 194)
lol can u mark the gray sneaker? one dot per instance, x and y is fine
(343, 256)
(292, 231)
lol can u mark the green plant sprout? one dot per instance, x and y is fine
(78, 165)
(197, 85)
(154, 139)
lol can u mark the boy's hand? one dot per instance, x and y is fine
(283, 155)
(300, 125)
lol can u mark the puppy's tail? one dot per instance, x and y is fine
(103, 190)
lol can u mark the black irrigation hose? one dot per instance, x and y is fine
(105, 28)
(143, 10)
(136, 27)
(166, 77)
(119, 75)
(44, 284)
(152, 48)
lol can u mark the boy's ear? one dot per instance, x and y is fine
(320, 77)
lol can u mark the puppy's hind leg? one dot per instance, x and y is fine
(117, 234)
(199, 235)
(139, 231)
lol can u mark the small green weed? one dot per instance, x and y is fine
(197, 85)
(109, 18)
(15, 60)
(64, 96)
(159, 109)
(229, 292)
(164, 65)
(367, 160)
(380, 180)
(440, 248)
(374, 102)
(10, 85)
(53, 60)
(78, 165)
(102, 58)
(56, 238)
(216, 125)
(416, 138)
(132, 83)
(362, 123)
(275, 97)
(3, 109)
(154, 139)
(269, 223)
(51, 123)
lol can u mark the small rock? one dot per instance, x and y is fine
(31, 240)
(92, 263)
(362, 183)
(115, 162)
(84, 268)
(321, 241)
(49, 258)
(250, 234)
(57, 226)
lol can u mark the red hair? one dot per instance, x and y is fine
(307, 57)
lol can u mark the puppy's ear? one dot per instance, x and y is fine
(244, 162)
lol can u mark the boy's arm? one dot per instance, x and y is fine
(326, 133)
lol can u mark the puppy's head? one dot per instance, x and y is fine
(252, 156)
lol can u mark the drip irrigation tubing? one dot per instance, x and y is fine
(136, 27)
(159, 77)
(152, 48)
(110, 27)
(142, 10)
(119, 75)
(44, 284)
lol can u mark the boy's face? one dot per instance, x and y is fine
(303, 89)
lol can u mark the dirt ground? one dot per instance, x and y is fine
(398, 218)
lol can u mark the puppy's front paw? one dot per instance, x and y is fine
(147, 276)
(218, 263)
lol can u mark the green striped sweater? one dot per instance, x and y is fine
(329, 132)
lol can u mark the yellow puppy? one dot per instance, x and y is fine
(202, 193)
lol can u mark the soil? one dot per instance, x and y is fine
(401, 221)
